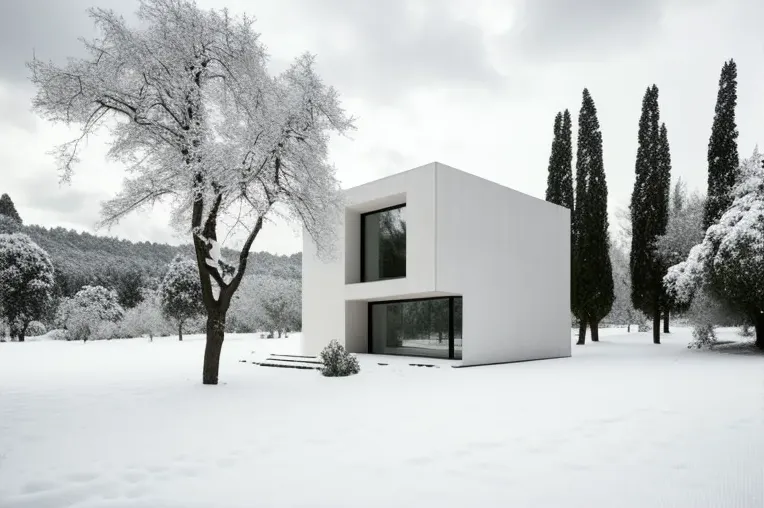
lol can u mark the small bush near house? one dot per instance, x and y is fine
(338, 362)
(35, 329)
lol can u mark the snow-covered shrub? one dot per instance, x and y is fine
(58, 335)
(146, 318)
(745, 331)
(26, 282)
(730, 259)
(337, 361)
(91, 314)
(266, 303)
(35, 329)
(702, 336)
(181, 293)
(705, 313)
(281, 304)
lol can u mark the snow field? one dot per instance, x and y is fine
(626, 423)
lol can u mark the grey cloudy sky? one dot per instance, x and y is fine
(471, 83)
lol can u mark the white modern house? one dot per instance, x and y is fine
(440, 263)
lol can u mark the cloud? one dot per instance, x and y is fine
(15, 108)
(377, 50)
(51, 28)
(562, 29)
(402, 49)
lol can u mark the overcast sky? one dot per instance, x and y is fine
(474, 84)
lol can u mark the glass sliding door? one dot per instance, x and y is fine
(458, 328)
(427, 327)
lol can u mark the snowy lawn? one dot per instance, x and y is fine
(624, 423)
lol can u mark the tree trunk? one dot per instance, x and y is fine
(581, 332)
(215, 336)
(628, 327)
(180, 330)
(759, 325)
(666, 321)
(595, 326)
(657, 327)
(21, 337)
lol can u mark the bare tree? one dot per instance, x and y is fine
(194, 113)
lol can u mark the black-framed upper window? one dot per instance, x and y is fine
(383, 244)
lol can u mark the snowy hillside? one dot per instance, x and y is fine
(622, 423)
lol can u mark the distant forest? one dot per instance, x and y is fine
(124, 266)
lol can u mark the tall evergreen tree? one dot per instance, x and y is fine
(664, 164)
(553, 175)
(649, 211)
(566, 160)
(592, 273)
(8, 209)
(722, 147)
(560, 178)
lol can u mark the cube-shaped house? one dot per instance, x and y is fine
(440, 263)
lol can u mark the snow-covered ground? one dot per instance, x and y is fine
(624, 423)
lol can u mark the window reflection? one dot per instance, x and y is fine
(384, 244)
(416, 328)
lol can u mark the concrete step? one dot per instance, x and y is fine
(291, 362)
(296, 359)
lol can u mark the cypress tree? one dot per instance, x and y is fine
(664, 159)
(553, 180)
(560, 178)
(8, 209)
(722, 148)
(566, 161)
(649, 211)
(592, 274)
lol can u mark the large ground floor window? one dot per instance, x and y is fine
(427, 327)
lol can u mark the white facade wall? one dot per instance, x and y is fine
(509, 255)
(505, 252)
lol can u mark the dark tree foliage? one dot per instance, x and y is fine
(592, 273)
(9, 225)
(650, 212)
(83, 259)
(8, 209)
(129, 285)
(560, 178)
(722, 148)
(181, 292)
(664, 163)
